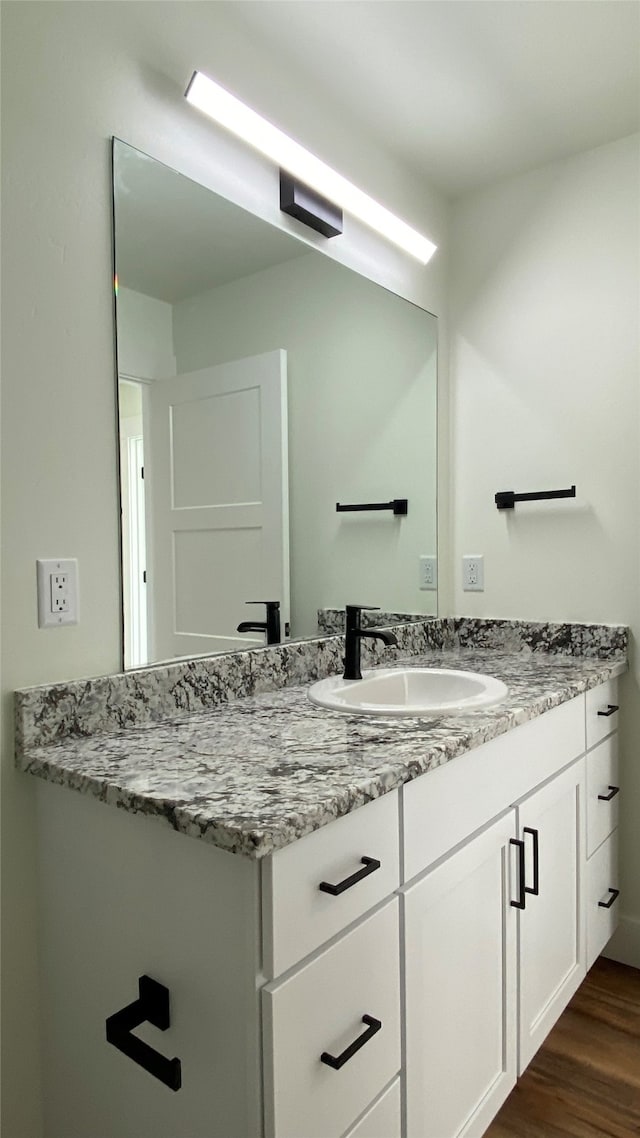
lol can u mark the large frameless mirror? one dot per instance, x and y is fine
(260, 383)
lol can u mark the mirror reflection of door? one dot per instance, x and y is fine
(134, 551)
(217, 504)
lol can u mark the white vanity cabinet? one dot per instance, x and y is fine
(387, 976)
(267, 972)
(603, 790)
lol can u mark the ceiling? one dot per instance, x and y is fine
(465, 92)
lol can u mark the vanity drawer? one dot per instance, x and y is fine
(319, 1011)
(445, 806)
(602, 792)
(601, 720)
(298, 915)
(602, 900)
(384, 1119)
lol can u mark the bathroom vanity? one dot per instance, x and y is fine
(367, 927)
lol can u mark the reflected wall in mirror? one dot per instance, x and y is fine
(260, 383)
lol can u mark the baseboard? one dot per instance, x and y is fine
(624, 945)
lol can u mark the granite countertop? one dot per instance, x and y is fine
(254, 774)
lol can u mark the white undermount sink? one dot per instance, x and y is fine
(408, 691)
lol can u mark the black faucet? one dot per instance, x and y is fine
(354, 635)
(271, 625)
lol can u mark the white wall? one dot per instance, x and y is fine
(145, 336)
(361, 376)
(73, 75)
(545, 388)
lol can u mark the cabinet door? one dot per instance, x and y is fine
(460, 934)
(551, 823)
(384, 1120)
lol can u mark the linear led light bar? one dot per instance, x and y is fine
(237, 117)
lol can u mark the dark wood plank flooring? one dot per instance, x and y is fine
(585, 1080)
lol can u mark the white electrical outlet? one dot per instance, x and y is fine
(427, 572)
(473, 573)
(57, 592)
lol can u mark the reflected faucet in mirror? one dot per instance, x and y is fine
(270, 626)
(354, 635)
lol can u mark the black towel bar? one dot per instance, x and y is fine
(506, 499)
(400, 507)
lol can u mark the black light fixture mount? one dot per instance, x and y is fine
(309, 207)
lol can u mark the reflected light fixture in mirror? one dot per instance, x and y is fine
(231, 113)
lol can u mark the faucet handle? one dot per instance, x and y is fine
(269, 604)
(352, 615)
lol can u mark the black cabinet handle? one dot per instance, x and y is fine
(607, 904)
(535, 888)
(370, 865)
(607, 797)
(152, 1006)
(611, 710)
(338, 1061)
(522, 900)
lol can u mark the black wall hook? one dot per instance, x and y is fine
(506, 499)
(152, 1006)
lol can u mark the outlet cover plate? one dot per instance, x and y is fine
(473, 573)
(428, 571)
(57, 591)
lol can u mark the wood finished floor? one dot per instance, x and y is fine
(585, 1080)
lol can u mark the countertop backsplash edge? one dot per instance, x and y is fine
(81, 708)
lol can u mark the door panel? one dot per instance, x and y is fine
(217, 487)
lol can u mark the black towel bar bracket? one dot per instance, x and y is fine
(506, 499)
(400, 507)
(152, 1006)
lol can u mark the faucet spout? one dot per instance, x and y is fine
(388, 638)
(252, 626)
(270, 626)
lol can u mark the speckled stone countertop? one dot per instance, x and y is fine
(253, 774)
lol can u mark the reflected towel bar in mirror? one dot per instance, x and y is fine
(400, 507)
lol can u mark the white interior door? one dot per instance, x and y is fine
(217, 488)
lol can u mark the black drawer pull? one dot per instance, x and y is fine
(522, 900)
(607, 904)
(535, 888)
(370, 865)
(611, 709)
(338, 1061)
(607, 797)
(152, 1006)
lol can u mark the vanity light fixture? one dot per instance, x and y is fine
(295, 160)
